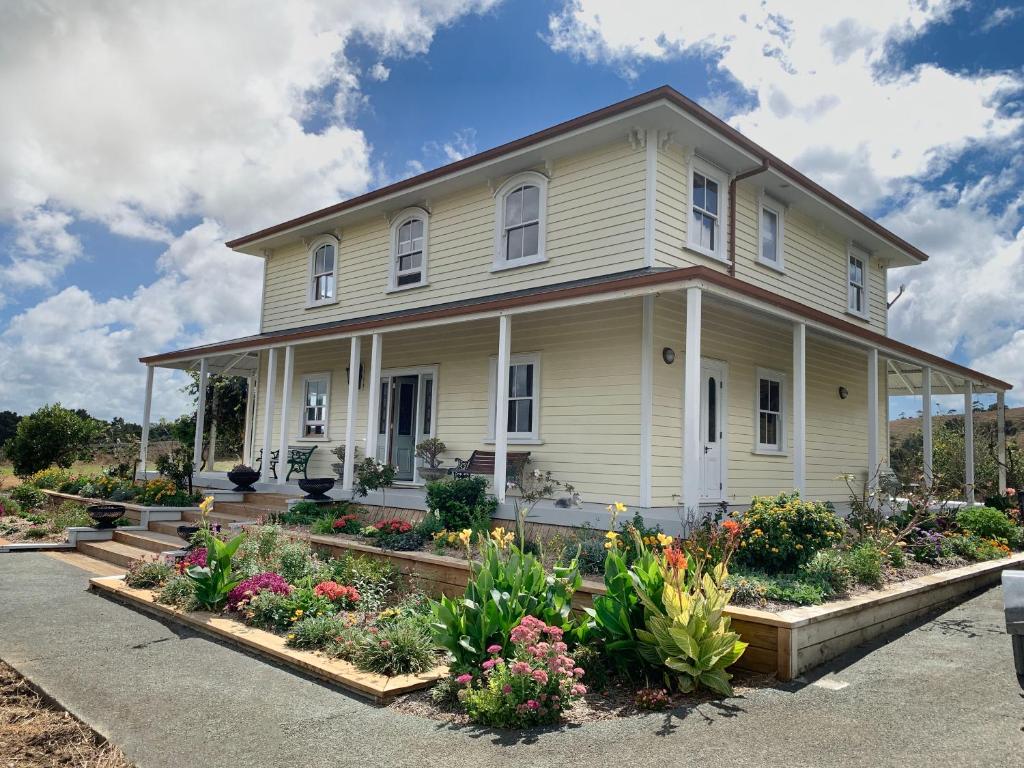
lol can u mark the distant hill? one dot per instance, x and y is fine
(899, 429)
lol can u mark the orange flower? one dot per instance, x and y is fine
(675, 559)
(732, 527)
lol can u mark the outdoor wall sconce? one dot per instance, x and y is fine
(843, 393)
(668, 355)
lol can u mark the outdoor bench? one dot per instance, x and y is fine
(298, 460)
(482, 463)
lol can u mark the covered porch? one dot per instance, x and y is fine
(669, 390)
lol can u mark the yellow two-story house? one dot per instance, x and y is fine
(655, 308)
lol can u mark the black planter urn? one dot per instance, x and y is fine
(316, 488)
(243, 480)
(104, 515)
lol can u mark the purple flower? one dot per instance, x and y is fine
(261, 582)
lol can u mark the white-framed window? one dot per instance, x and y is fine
(769, 395)
(410, 233)
(857, 282)
(323, 271)
(521, 217)
(522, 409)
(316, 406)
(706, 229)
(771, 233)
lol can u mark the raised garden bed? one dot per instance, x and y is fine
(129, 507)
(377, 688)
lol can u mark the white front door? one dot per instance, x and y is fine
(712, 430)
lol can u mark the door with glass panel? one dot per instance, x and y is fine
(712, 430)
(406, 418)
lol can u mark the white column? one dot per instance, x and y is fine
(800, 407)
(268, 414)
(247, 429)
(147, 408)
(350, 418)
(286, 399)
(926, 426)
(197, 448)
(692, 448)
(501, 406)
(646, 398)
(373, 403)
(1001, 439)
(969, 442)
(872, 421)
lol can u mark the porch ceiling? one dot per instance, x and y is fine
(224, 364)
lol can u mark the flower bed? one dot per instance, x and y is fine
(39, 518)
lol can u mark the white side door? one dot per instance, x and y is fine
(712, 430)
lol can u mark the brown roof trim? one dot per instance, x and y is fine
(664, 92)
(545, 296)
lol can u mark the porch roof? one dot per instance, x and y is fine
(238, 355)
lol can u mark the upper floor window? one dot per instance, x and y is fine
(409, 244)
(771, 233)
(323, 271)
(316, 396)
(521, 411)
(521, 204)
(707, 186)
(857, 277)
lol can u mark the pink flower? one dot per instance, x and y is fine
(540, 676)
(488, 664)
(578, 672)
(520, 668)
(506, 689)
(494, 648)
(463, 679)
(532, 704)
(578, 689)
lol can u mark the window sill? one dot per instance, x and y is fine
(858, 315)
(410, 287)
(517, 441)
(324, 439)
(315, 304)
(769, 452)
(780, 268)
(705, 253)
(506, 265)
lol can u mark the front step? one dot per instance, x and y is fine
(224, 518)
(167, 527)
(153, 541)
(114, 552)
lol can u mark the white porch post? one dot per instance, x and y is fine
(268, 414)
(1001, 439)
(247, 429)
(800, 407)
(501, 406)
(197, 448)
(646, 398)
(926, 426)
(286, 399)
(691, 403)
(872, 422)
(373, 403)
(969, 442)
(350, 417)
(147, 408)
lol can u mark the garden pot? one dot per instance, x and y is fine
(430, 474)
(105, 514)
(186, 532)
(316, 488)
(243, 480)
(339, 470)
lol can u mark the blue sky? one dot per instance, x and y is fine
(178, 131)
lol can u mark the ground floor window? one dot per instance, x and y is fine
(521, 411)
(316, 395)
(769, 410)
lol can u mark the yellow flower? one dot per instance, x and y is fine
(465, 535)
(664, 540)
(799, 546)
(299, 612)
(775, 549)
(206, 505)
(501, 538)
(291, 636)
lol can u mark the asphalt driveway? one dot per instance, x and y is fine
(942, 693)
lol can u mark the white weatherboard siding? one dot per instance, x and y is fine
(589, 391)
(815, 260)
(595, 226)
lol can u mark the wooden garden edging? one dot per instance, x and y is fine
(784, 644)
(378, 688)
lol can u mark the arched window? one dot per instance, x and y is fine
(323, 271)
(409, 244)
(521, 204)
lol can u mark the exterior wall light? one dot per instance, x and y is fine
(843, 393)
(668, 355)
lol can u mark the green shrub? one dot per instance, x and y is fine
(403, 648)
(410, 541)
(37, 532)
(268, 610)
(754, 588)
(9, 506)
(69, 514)
(179, 592)
(461, 502)
(51, 479)
(988, 523)
(783, 532)
(445, 693)
(293, 560)
(829, 567)
(148, 574)
(973, 548)
(28, 496)
(51, 435)
(314, 631)
(865, 562)
(746, 590)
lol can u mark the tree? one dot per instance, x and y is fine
(51, 435)
(8, 425)
(225, 405)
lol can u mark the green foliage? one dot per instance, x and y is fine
(28, 496)
(294, 560)
(756, 587)
(36, 533)
(429, 450)
(988, 523)
(50, 479)
(9, 506)
(505, 586)
(215, 581)
(269, 610)
(402, 648)
(373, 475)
(461, 502)
(865, 563)
(372, 578)
(69, 514)
(180, 592)
(177, 466)
(783, 532)
(148, 574)
(300, 513)
(409, 541)
(8, 427)
(973, 548)
(51, 435)
(829, 567)
(314, 631)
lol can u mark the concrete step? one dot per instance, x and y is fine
(268, 500)
(114, 552)
(167, 527)
(153, 541)
(224, 515)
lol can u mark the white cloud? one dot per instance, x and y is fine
(462, 144)
(379, 72)
(1000, 16)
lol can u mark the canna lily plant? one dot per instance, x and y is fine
(214, 581)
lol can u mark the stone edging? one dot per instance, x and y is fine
(377, 688)
(125, 504)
